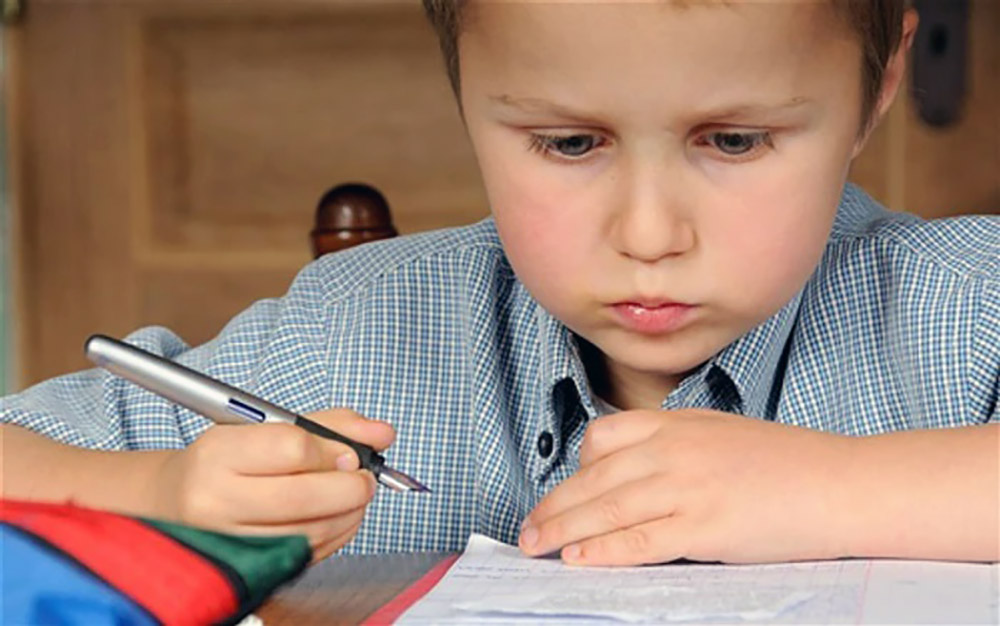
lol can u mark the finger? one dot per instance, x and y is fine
(658, 541)
(326, 548)
(376, 434)
(629, 505)
(611, 433)
(593, 481)
(287, 498)
(271, 449)
(284, 449)
(319, 532)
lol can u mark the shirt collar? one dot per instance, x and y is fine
(561, 360)
(752, 361)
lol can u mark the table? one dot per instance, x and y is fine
(346, 589)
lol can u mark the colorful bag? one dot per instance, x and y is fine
(65, 564)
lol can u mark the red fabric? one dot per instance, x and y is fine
(392, 610)
(176, 585)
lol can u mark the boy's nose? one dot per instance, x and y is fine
(651, 222)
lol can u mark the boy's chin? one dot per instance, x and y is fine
(643, 354)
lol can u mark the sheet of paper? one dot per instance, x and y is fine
(494, 583)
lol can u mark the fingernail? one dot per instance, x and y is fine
(529, 536)
(571, 552)
(345, 462)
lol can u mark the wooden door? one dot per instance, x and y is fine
(167, 155)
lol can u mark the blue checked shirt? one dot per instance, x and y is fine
(899, 328)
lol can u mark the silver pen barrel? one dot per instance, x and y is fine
(215, 400)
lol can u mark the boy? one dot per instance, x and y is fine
(679, 256)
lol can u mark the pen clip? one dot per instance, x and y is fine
(245, 410)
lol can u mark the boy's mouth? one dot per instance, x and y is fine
(652, 317)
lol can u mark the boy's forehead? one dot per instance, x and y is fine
(680, 3)
(811, 14)
(714, 25)
(684, 54)
(667, 4)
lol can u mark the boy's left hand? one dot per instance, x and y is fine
(656, 486)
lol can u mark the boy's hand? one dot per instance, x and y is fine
(655, 486)
(274, 479)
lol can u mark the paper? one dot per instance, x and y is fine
(494, 583)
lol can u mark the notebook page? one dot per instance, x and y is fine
(494, 583)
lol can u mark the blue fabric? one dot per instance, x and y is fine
(899, 328)
(43, 587)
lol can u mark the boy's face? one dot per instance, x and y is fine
(663, 178)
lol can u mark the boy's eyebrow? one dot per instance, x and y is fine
(729, 111)
(528, 103)
(747, 110)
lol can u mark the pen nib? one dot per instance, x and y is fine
(398, 481)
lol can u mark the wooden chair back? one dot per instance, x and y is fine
(348, 215)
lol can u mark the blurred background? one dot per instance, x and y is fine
(161, 160)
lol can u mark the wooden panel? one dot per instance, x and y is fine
(251, 120)
(172, 298)
(75, 258)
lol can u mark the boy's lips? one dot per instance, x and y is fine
(652, 317)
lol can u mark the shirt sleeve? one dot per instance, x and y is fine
(275, 348)
(984, 370)
(94, 409)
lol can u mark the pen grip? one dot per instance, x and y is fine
(369, 459)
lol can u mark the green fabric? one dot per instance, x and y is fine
(262, 562)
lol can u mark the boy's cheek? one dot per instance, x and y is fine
(536, 221)
(760, 263)
(781, 222)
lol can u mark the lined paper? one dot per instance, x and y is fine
(494, 583)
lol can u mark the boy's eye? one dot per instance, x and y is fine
(736, 144)
(571, 146)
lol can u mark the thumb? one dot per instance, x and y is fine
(611, 433)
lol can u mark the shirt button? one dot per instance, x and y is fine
(545, 444)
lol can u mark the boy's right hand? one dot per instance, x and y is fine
(274, 479)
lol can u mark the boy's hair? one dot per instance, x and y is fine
(876, 23)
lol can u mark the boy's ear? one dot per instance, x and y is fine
(892, 78)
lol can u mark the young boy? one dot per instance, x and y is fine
(680, 335)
